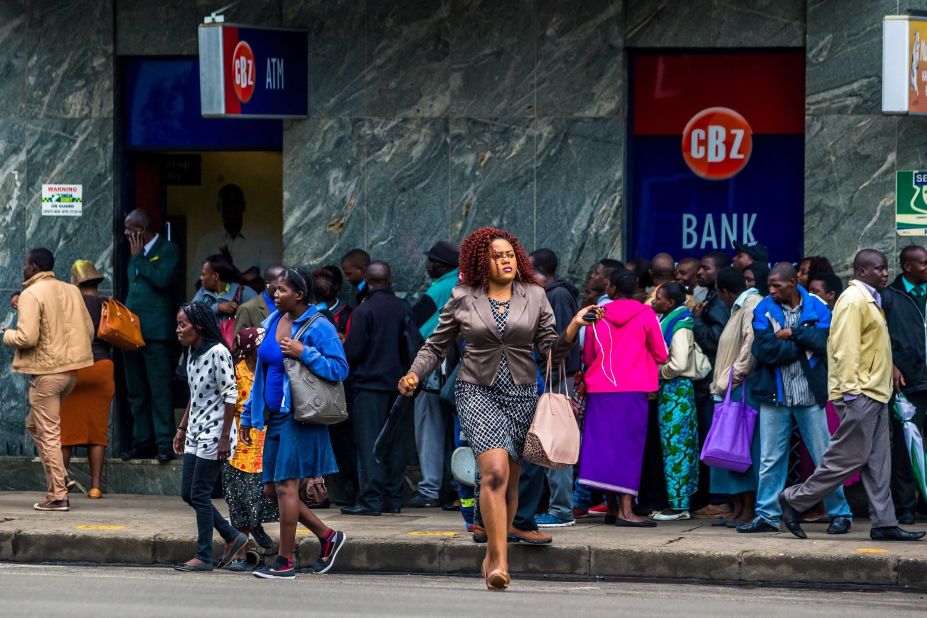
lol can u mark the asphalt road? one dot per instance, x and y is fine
(50, 591)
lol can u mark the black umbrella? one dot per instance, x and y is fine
(390, 433)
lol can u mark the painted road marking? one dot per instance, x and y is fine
(433, 533)
(871, 550)
(86, 527)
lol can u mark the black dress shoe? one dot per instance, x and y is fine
(393, 510)
(166, 457)
(906, 517)
(839, 525)
(418, 501)
(757, 525)
(359, 510)
(894, 533)
(791, 518)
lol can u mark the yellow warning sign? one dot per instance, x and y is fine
(432, 533)
(89, 527)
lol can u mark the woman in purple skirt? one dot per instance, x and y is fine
(622, 353)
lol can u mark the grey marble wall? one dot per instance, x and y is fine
(433, 118)
(56, 126)
(852, 150)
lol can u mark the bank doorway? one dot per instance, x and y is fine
(209, 185)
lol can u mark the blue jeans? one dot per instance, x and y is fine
(776, 425)
(430, 435)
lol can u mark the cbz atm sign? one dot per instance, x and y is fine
(253, 72)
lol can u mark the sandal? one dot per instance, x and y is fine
(238, 566)
(498, 580)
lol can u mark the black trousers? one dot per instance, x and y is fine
(380, 483)
(149, 376)
(197, 481)
(904, 485)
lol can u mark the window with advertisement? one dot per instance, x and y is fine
(716, 152)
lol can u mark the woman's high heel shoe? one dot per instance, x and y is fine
(498, 580)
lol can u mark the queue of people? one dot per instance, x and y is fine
(658, 348)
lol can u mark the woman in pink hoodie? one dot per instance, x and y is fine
(622, 353)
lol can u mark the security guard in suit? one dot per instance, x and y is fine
(149, 371)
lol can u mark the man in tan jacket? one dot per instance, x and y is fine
(52, 340)
(859, 355)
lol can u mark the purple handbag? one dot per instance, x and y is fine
(728, 442)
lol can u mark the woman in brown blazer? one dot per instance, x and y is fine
(503, 316)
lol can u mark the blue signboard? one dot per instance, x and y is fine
(248, 72)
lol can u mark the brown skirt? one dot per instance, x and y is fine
(85, 412)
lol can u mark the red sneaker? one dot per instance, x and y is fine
(579, 513)
(599, 510)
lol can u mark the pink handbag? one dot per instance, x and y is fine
(553, 439)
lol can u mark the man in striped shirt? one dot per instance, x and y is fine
(790, 384)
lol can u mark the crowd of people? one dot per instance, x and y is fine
(648, 352)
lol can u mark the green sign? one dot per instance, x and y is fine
(911, 203)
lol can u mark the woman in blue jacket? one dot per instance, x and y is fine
(294, 451)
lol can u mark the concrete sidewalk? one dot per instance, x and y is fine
(133, 529)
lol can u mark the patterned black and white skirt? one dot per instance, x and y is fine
(497, 416)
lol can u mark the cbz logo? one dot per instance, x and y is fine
(243, 70)
(717, 143)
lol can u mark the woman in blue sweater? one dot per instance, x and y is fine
(294, 451)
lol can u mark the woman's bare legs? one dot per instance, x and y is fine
(496, 507)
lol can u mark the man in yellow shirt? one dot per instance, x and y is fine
(860, 386)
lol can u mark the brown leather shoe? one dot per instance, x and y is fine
(532, 537)
(712, 511)
(52, 505)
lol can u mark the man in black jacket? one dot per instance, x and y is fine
(711, 316)
(904, 302)
(563, 300)
(376, 351)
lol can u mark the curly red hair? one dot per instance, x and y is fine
(474, 257)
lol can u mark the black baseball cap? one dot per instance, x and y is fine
(757, 251)
(444, 252)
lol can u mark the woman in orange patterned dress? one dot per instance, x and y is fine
(244, 493)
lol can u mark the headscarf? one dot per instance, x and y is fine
(674, 321)
(203, 320)
(249, 339)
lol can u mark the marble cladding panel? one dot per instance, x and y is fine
(337, 53)
(168, 27)
(407, 67)
(57, 150)
(579, 191)
(407, 193)
(69, 65)
(13, 58)
(668, 23)
(844, 56)
(715, 23)
(13, 389)
(493, 47)
(492, 176)
(850, 163)
(580, 58)
(323, 190)
(13, 189)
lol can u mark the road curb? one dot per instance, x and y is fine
(458, 556)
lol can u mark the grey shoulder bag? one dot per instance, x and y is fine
(313, 400)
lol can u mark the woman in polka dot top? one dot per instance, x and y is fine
(206, 435)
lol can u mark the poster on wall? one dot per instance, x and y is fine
(62, 200)
(717, 153)
(911, 203)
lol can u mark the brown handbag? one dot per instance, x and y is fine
(119, 327)
(312, 491)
